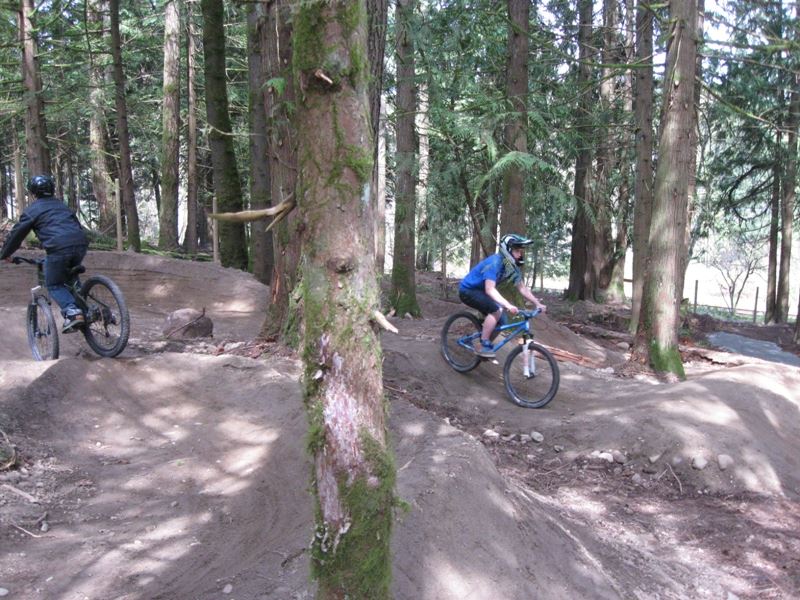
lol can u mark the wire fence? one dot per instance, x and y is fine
(723, 313)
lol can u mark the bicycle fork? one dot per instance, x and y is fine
(528, 364)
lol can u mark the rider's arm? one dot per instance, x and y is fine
(528, 295)
(491, 290)
(16, 236)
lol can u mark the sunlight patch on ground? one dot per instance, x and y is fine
(446, 580)
(708, 411)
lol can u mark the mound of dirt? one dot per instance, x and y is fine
(166, 474)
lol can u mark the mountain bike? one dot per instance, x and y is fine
(107, 322)
(530, 372)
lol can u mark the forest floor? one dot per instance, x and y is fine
(179, 470)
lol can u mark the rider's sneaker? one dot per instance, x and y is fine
(485, 350)
(73, 323)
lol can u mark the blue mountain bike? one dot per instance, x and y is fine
(530, 372)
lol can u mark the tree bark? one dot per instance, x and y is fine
(170, 129)
(657, 336)
(37, 151)
(260, 238)
(353, 469)
(192, 187)
(97, 118)
(771, 313)
(227, 186)
(279, 98)
(403, 296)
(580, 280)
(377, 14)
(512, 215)
(643, 182)
(125, 169)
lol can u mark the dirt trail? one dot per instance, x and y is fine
(175, 473)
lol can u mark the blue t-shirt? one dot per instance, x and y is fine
(493, 267)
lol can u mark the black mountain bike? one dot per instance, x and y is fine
(107, 322)
(530, 372)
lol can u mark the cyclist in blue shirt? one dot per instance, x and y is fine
(479, 288)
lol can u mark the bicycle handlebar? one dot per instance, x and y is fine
(529, 314)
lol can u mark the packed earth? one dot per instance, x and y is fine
(179, 469)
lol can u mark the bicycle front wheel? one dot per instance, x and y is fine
(458, 336)
(42, 332)
(108, 323)
(531, 375)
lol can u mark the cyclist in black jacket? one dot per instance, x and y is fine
(62, 237)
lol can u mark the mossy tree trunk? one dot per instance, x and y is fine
(657, 337)
(404, 290)
(170, 128)
(354, 474)
(279, 100)
(227, 186)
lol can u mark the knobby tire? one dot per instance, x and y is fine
(42, 331)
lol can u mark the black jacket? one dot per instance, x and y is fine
(54, 223)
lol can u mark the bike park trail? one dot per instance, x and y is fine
(179, 469)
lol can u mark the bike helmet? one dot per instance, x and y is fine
(510, 241)
(41, 185)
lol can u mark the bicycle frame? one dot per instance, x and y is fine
(520, 327)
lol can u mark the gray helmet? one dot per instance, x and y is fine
(510, 241)
(41, 185)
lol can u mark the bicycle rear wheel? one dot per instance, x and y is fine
(536, 385)
(458, 335)
(42, 331)
(108, 323)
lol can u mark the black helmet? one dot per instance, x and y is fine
(510, 241)
(41, 185)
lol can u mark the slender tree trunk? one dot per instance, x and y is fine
(260, 238)
(424, 239)
(38, 153)
(125, 169)
(657, 337)
(685, 248)
(97, 117)
(788, 187)
(643, 182)
(771, 314)
(170, 128)
(512, 216)
(353, 468)
(227, 186)
(192, 196)
(377, 14)
(404, 294)
(279, 99)
(580, 281)
(19, 181)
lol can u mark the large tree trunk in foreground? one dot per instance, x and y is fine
(353, 470)
(657, 336)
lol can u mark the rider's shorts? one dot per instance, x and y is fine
(479, 300)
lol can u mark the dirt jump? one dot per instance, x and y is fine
(179, 471)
